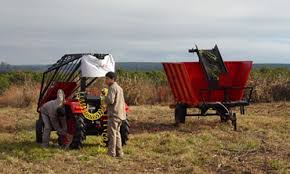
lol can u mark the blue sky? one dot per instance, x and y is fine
(40, 32)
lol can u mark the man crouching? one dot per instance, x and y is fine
(53, 116)
(116, 114)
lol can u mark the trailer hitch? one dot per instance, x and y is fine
(226, 114)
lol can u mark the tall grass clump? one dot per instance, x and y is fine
(271, 84)
(145, 87)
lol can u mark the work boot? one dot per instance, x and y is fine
(120, 155)
(111, 154)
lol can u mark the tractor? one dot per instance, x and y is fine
(85, 112)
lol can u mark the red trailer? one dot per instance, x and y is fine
(209, 84)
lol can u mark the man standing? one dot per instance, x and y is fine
(116, 114)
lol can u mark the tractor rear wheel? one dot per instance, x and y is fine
(124, 131)
(180, 113)
(80, 133)
(39, 130)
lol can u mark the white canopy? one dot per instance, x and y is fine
(94, 67)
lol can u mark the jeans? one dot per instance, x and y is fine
(46, 130)
(61, 129)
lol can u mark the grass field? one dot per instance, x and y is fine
(202, 145)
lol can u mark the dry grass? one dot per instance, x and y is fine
(270, 84)
(140, 92)
(20, 95)
(269, 90)
(144, 88)
(202, 145)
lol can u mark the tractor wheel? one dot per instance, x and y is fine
(180, 113)
(80, 133)
(124, 131)
(39, 130)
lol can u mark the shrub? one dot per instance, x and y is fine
(4, 84)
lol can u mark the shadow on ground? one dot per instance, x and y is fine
(192, 126)
(151, 127)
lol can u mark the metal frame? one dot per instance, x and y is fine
(227, 101)
(204, 106)
(224, 108)
(219, 62)
(66, 69)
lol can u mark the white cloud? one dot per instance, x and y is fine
(34, 31)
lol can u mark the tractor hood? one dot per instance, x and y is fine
(91, 66)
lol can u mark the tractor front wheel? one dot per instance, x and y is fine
(80, 133)
(39, 130)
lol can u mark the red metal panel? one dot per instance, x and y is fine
(170, 78)
(67, 87)
(176, 81)
(179, 82)
(184, 84)
(186, 80)
(237, 76)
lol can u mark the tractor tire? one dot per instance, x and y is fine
(80, 133)
(124, 131)
(39, 130)
(180, 113)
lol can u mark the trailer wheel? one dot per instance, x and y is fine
(224, 117)
(223, 112)
(180, 113)
(39, 130)
(124, 131)
(80, 133)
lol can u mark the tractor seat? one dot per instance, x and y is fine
(94, 100)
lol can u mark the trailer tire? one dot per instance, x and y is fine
(124, 131)
(223, 113)
(39, 130)
(80, 133)
(224, 117)
(180, 113)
